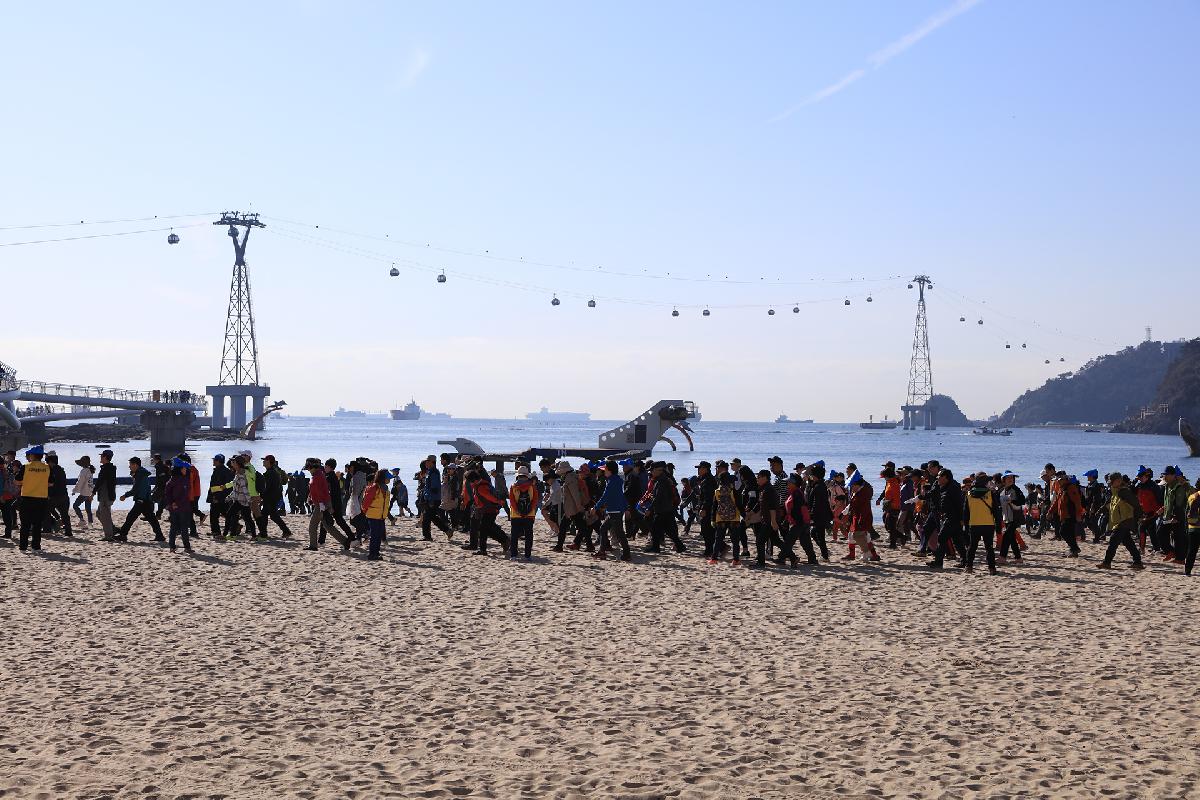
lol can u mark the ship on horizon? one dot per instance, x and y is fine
(783, 419)
(546, 415)
(883, 425)
(413, 411)
(348, 412)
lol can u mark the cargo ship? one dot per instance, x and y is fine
(410, 411)
(546, 415)
(348, 412)
(782, 419)
(884, 425)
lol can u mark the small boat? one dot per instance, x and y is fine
(1189, 437)
(884, 425)
(986, 431)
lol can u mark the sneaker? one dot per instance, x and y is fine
(572, 546)
(1138, 566)
(556, 549)
(756, 565)
(312, 548)
(736, 562)
(1104, 565)
(875, 557)
(934, 565)
(848, 557)
(969, 568)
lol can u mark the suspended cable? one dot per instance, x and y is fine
(1034, 323)
(419, 266)
(101, 235)
(488, 255)
(101, 221)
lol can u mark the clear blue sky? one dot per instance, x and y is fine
(1040, 156)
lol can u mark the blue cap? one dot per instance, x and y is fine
(820, 463)
(219, 457)
(1091, 473)
(1009, 474)
(36, 450)
(856, 478)
(179, 462)
(1073, 479)
(625, 462)
(833, 473)
(1143, 469)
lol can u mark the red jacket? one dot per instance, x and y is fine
(861, 516)
(194, 475)
(318, 488)
(484, 496)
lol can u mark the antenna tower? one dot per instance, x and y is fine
(239, 357)
(920, 371)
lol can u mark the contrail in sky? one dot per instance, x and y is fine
(886, 54)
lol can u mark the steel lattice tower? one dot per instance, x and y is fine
(239, 378)
(920, 371)
(239, 357)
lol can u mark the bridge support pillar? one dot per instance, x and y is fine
(168, 431)
(218, 409)
(237, 396)
(256, 405)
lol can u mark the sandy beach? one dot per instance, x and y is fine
(262, 670)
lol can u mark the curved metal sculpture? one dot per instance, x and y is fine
(250, 432)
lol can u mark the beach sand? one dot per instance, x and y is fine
(263, 670)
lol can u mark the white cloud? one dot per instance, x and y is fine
(884, 55)
(414, 67)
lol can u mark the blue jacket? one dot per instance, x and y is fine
(613, 499)
(141, 485)
(431, 492)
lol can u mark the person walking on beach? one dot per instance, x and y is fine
(10, 491)
(238, 504)
(376, 501)
(161, 475)
(861, 518)
(763, 514)
(727, 517)
(662, 508)
(431, 499)
(83, 489)
(572, 508)
(320, 520)
(35, 493)
(816, 495)
(177, 496)
(523, 502)
(1123, 511)
(271, 490)
(485, 507)
(106, 494)
(194, 492)
(982, 514)
(798, 518)
(1193, 528)
(1068, 508)
(336, 505)
(1149, 495)
(1012, 504)
(612, 506)
(143, 502)
(1172, 532)
(218, 494)
(60, 499)
(947, 500)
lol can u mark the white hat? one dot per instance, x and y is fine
(245, 454)
(522, 472)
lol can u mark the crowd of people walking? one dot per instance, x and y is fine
(603, 507)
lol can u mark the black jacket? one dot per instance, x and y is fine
(221, 476)
(948, 501)
(817, 496)
(106, 483)
(270, 487)
(704, 488)
(58, 481)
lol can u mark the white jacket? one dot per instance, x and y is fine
(83, 484)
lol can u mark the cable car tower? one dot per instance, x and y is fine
(239, 355)
(918, 408)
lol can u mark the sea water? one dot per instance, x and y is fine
(403, 444)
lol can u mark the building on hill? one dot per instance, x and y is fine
(1177, 395)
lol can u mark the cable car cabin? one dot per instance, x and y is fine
(591, 303)
(770, 312)
(173, 238)
(556, 301)
(675, 312)
(442, 277)
(395, 273)
(707, 313)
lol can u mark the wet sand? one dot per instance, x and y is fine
(262, 670)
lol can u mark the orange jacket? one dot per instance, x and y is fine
(1068, 503)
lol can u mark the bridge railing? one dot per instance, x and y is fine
(196, 399)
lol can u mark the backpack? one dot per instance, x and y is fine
(524, 501)
(725, 505)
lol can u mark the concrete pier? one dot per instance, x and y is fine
(237, 397)
(168, 431)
